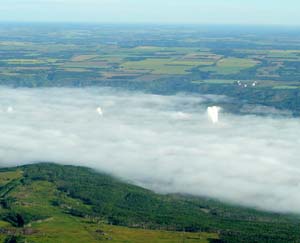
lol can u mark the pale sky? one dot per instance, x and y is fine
(253, 12)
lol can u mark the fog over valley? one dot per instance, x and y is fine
(164, 143)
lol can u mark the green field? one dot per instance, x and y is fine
(6, 177)
(64, 229)
(165, 66)
(286, 87)
(231, 65)
(215, 81)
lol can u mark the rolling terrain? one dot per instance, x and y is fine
(157, 59)
(46, 202)
(55, 203)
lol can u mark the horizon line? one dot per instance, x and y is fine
(151, 23)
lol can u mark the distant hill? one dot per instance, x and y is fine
(54, 203)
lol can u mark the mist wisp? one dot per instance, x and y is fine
(165, 143)
(213, 113)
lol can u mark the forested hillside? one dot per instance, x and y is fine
(54, 203)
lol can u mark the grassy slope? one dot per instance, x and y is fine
(8, 176)
(75, 204)
(56, 224)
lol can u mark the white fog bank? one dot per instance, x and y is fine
(165, 143)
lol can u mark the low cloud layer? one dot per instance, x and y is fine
(165, 143)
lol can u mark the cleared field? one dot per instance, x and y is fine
(81, 58)
(87, 64)
(215, 81)
(284, 54)
(80, 70)
(164, 66)
(29, 61)
(180, 50)
(193, 63)
(70, 229)
(6, 177)
(286, 87)
(270, 71)
(231, 65)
